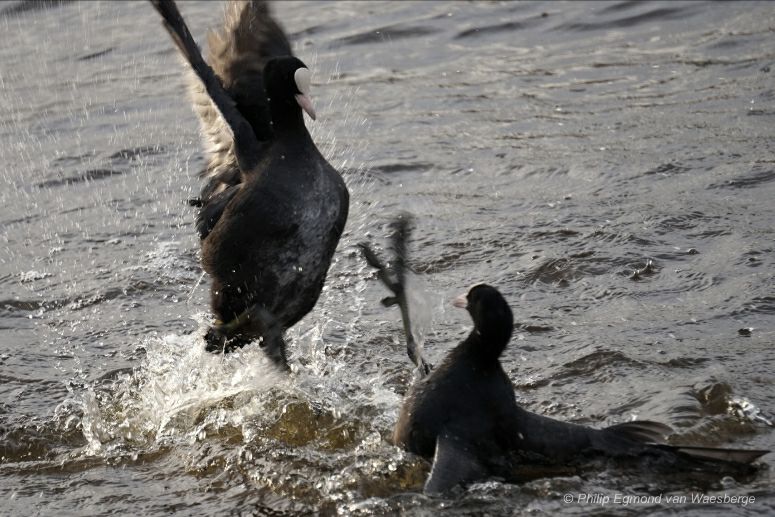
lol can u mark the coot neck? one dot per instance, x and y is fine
(485, 348)
(287, 117)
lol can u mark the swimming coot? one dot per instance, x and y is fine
(273, 209)
(464, 415)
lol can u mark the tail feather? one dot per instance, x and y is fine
(717, 454)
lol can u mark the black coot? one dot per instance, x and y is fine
(273, 209)
(465, 416)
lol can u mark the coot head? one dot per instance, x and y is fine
(492, 316)
(287, 83)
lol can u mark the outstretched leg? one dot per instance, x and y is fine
(394, 279)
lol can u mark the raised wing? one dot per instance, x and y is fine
(237, 52)
(245, 146)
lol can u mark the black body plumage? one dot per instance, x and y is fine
(272, 209)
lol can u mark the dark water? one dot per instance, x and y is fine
(609, 166)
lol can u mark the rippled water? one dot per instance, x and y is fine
(609, 166)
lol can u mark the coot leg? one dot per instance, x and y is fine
(394, 278)
(254, 323)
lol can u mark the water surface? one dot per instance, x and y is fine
(609, 166)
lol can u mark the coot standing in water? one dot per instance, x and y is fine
(273, 209)
(465, 416)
